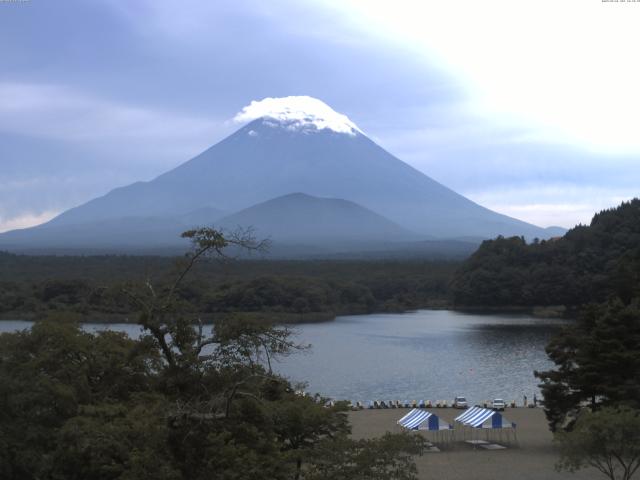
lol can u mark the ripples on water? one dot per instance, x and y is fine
(428, 354)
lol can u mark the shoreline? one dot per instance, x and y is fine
(537, 311)
(292, 318)
(104, 318)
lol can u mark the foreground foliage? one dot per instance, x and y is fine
(607, 440)
(390, 456)
(597, 363)
(178, 403)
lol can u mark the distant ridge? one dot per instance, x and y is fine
(299, 217)
(125, 234)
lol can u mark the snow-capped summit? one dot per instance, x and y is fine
(297, 113)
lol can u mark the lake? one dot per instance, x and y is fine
(427, 354)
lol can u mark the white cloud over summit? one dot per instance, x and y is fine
(298, 113)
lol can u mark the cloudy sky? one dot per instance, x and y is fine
(531, 108)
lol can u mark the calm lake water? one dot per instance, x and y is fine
(428, 354)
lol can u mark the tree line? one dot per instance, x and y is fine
(92, 287)
(588, 264)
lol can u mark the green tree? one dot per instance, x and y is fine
(607, 440)
(124, 440)
(47, 377)
(597, 363)
(301, 423)
(588, 264)
(179, 403)
(388, 457)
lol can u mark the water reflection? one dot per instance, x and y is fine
(424, 355)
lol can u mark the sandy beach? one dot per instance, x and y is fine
(533, 458)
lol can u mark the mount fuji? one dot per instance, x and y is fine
(348, 189)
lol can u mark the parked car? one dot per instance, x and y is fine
(460, 402)
(498, 404)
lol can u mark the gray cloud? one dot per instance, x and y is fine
(100, 94)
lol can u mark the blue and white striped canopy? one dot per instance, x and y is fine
(418, 419)
(478, 417)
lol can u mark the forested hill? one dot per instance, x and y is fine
(296, 291)
(589, 264)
